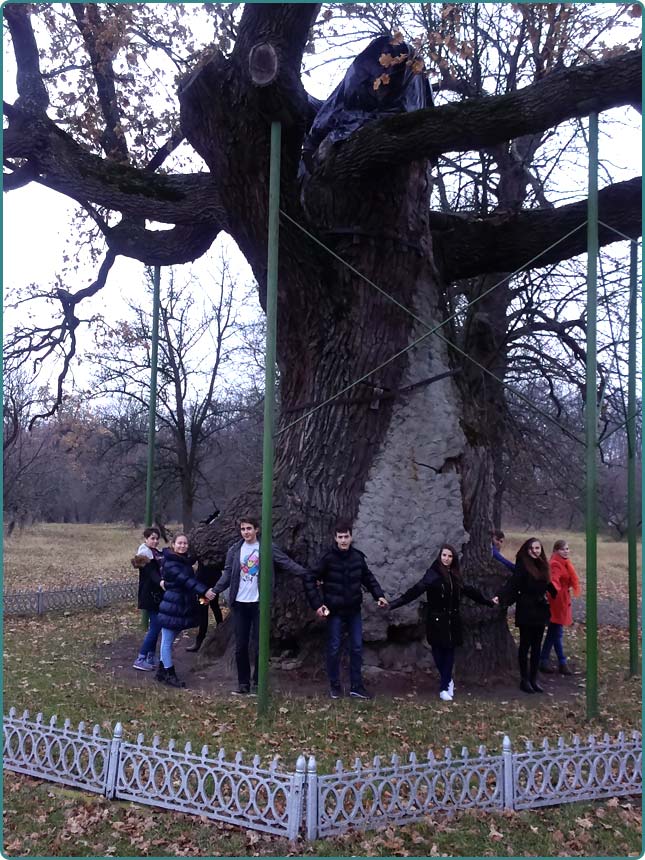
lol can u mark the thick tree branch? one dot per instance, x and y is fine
(98, 47)
(64, 165)
(181, 244)
(484, 122)
(467, 247)
(32, 93)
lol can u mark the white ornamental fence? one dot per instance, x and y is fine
(77, 598)
(304, 802)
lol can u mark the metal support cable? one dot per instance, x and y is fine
(432, 330)
(618, 232)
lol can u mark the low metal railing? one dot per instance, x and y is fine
(302, 801)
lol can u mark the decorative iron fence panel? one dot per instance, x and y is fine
(399, 793)
(65, 755)
(284, 803)
(77, 598)
(583, 771)
(246, 795)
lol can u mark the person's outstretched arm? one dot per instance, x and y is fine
(414, 591)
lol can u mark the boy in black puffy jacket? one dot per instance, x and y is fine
(343, 573)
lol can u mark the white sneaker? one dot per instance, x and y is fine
(451, 687)
(445, 696)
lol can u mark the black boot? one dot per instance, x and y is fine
(525, 686)
(536, 687)
(161, 674)
(197, 645)
(171, 678)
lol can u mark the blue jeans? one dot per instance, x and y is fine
(149, 644)
(354, 624)
(165, 653)
(444, 659)
(553, 639)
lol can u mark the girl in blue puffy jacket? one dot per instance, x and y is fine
(178, 609)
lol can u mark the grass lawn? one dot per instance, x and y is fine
(63, 664)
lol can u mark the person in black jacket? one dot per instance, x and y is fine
(147, 560)
(243, 576)
(209, 574)
(443, 586)
(178, 609)
(343, 573)
(527, 589)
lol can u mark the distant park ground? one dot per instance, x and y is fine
(58, 555)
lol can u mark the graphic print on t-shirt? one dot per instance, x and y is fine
(250, 566)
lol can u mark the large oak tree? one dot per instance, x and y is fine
(408, 452)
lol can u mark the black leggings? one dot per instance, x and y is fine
(529, 652)
(203, 617)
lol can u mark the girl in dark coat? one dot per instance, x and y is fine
(210, 575)
(147, 560)
(178, 609)
(527, 589)
(443, 587)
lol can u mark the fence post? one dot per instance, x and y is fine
(294, 803)
(100, 597)
(113, 762)
(312, 799)
(507, 771)
(40, 607)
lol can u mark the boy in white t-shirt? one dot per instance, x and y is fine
(242, 576)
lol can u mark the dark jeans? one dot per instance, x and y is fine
(529, 652)
(444, 659)
(149, 644)
(354, 625)
(246, 619)
(553, 639)
(203, 617)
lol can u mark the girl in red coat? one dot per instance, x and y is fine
(565, 578)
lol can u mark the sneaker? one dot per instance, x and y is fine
(360, 693)
(254, 689)
(335, 691)
(242, 690)
(142, 664)
(564, 669)
(451, 687)
(151, 660)
(445, 696)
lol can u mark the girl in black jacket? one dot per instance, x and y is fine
(147, 560)
(443, 586)
(178, 609)
(527, 589)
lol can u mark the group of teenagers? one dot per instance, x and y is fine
(177, 597)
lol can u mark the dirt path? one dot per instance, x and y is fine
(218, 678)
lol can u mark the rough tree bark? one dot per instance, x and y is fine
(401, 455)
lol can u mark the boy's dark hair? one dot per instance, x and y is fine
(151, 531)
(255, 522)
(499, 534)
(342, 526)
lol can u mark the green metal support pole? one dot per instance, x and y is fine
(591, 424)
(152, 410)
(152, 406)
(266, 554)
(632, 513)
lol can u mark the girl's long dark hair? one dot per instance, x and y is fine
(454, 565)
(537, 567)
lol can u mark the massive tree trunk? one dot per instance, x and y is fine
(389, 452)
